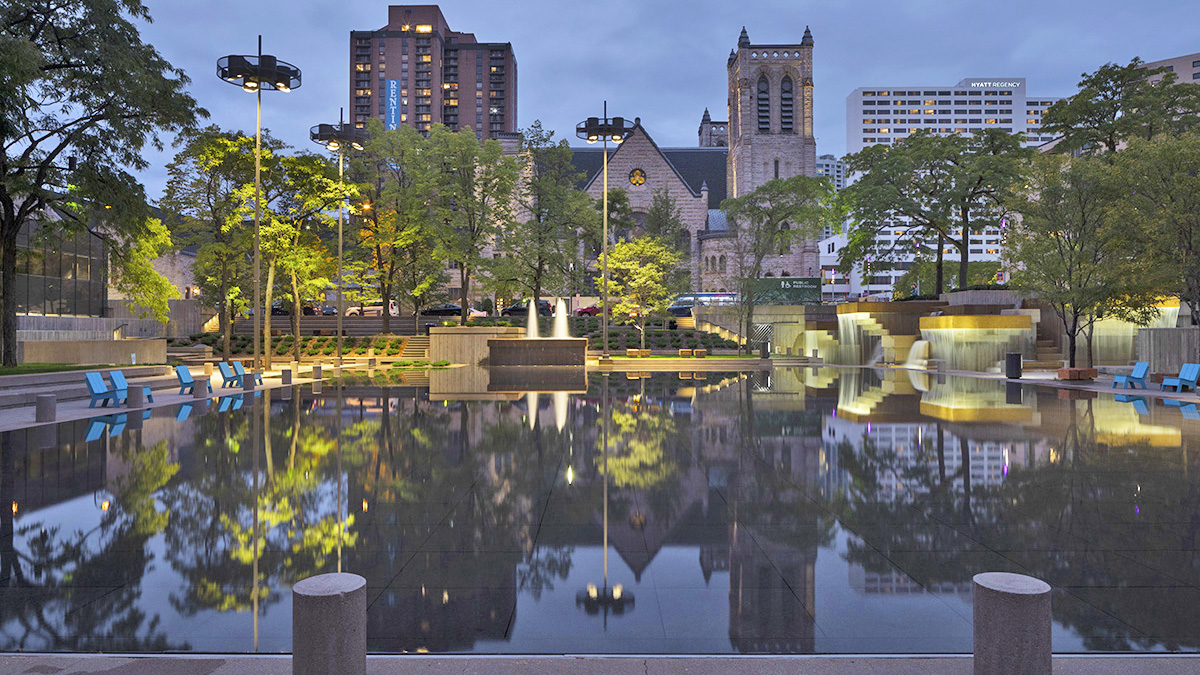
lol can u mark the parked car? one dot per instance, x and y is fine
(592, 310)
(521, 308)
(329, 310)
(373, 309)
(451, 309)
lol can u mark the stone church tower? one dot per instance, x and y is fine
(770, 113)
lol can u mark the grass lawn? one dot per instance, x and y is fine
(32, 368)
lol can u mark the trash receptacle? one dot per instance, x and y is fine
(1012, 366)
(763, 350)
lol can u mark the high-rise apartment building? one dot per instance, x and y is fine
(419, 72)
(884, 115)
(1186, 68)
(834, 169)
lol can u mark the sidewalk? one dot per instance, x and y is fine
(589, 665)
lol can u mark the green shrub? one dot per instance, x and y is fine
(392, 351)
(442, 363)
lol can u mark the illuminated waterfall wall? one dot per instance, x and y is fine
(977, 343)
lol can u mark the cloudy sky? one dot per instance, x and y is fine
(664, 60)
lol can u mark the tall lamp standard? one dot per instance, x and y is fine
(603, 129)
(255, 73)
(338, 138)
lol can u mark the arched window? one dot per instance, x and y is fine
(786, 106)
(764, 105)
(722, 264)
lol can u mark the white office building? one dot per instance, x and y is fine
(883, 115)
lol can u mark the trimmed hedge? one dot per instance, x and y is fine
(324, 345)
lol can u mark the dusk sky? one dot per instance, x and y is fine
(664, 60)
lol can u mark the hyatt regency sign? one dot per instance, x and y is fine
(995, 84)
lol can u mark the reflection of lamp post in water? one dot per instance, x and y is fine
(596, 599)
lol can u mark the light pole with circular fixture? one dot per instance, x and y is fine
(603, 129)
(255, 73)
(337, 139)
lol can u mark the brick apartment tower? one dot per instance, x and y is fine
(770, 113)
(419, 72)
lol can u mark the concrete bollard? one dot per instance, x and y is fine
(200, 389)
(1012, 624)
(248, 381)
(208, 370)
(329, 625)
(47, 408)
(135, 397)
(316, 373)
(371, 362)
(316, 387)
(286, 374)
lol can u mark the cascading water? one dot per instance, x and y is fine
(531, 325)
(918, 355)
(560, 321)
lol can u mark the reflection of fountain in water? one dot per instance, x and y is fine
(561, 400)
(560, 321)
(531, 324)
(531, 403)
(876, 355)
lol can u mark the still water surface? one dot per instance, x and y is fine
(830, 510)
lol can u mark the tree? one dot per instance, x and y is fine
(664, 220)
(1118, 103)
(1159, 181)
(395, 221)
(78, 82)
(641, 273)
(474, 184)
(539, 249)
(939, 189)
(203, 205)
(1071, 253)
(777, 214)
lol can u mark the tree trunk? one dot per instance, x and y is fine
(266, 310)
(941, 452)
(941, 273)
(1072, 337)
(1091, 355)
(295, 319)
(8, 298)
(964, 255)
(227, 320)
(464, 275)
(642, 324)
(385, 293)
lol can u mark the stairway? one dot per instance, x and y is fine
(1047, 357)
(416, 348)
(415, 378)
(685, 323)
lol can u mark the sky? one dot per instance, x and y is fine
(664, 60)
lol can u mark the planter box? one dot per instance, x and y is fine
(700, 353)
(685, 352)
(1081, 374)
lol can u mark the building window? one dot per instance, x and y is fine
(722, 264)
(786, 107)
(777, 168)
(764, 105)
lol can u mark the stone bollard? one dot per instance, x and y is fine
(135, 397)
(200, 389)
(316, 372)
(208, 371)
(329, 625)
(47, 408)
(1012, 624)
(248, 381)
(286, 374)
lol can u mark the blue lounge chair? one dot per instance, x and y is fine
(185, 411)
(1187, 377)
(1186, 408)
(1139, 403)
(241, 372)
(226, 403)
(96, 427)
(121, 386)
(187, 383)
(99, 391)
(228, 377)
(1138, 376)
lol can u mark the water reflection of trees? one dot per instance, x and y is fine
(80, 590)
(1112, 526)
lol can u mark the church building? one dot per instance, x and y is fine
(768, 135)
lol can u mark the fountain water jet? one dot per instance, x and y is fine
(560, 321)
(531, 403)
(561, 401)
(531, 324)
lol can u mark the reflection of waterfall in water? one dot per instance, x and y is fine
(876, 354)
(561, 401)
(560, 321)
(531, 404)
(531, 324)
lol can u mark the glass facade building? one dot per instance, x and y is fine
(61, 275)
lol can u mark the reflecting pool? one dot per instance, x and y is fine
(830, 510)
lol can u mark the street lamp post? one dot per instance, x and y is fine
(256, 73)
(337, 138)
(602, 129)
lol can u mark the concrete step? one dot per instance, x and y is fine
(76, 389)
(416, 348)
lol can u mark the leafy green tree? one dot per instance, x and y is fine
(1159, 181)
(474, 188)
(395, 231)
(777, 214)
(940, 189)
(642, 274)
(1117, 103)
(538, 250)
(204, 209)
(921, 277)
(664, 220)
(76, 81)
(1071, 253)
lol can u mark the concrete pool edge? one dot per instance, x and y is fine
(842, 664)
